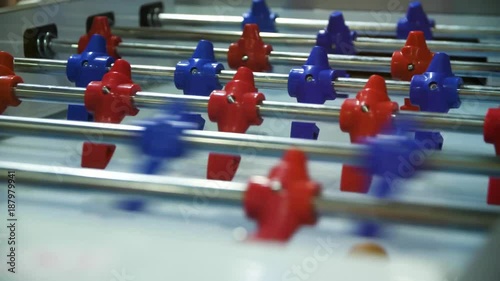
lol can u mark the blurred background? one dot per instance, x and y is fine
(477, 7)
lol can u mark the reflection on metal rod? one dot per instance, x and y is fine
(345, 62)
(232, 193)
(198, 140)
(295, 111)
(362, 44)
(455, 162)
(405, 212)
(263, 79)
(218, 36)
(368, 28)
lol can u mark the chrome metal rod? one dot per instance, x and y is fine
(351, 154)
(431, 121)
(344, 62)
(294, 111)
(232, 193)
(262, 79)
(432, 215)
(461, 31)
(190, 34)
(35, 65)
(146, 72)
(361, 44)
(452, 48)
(373, 28)
(198, 140)
(73, 95)
(402, 88)
(374, 64)
(119, 182)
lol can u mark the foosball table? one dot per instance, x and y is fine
(245, 140)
